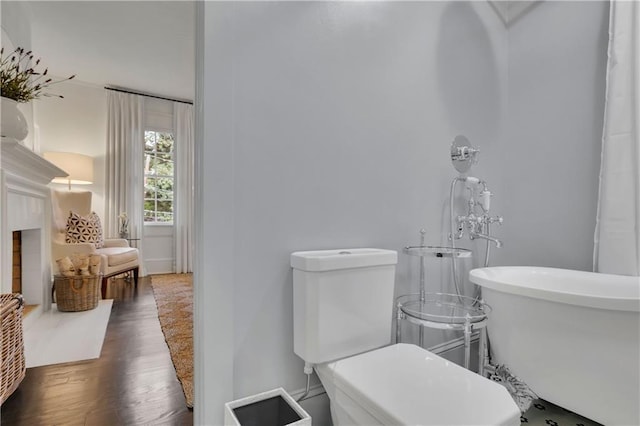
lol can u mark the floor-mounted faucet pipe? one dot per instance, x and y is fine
(487, 252)
(423, 268)
(453, 235)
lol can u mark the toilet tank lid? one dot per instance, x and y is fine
(328, 260)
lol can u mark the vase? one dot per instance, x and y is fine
(124, 234)
(13, 124)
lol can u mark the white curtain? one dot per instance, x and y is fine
(124, 163)
(183, 203)
(617, 235)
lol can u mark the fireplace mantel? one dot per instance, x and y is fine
(25, 205)
(21, 161)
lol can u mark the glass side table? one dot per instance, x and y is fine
(446, 312)
(133, 241)
(443, 311)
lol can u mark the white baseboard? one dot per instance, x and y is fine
(314, 390)
(159, 266)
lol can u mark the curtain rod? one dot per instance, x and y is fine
(133, 92)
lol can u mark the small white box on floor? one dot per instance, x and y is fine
(272, 408)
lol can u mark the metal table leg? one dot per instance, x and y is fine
(398, 323)
(482, 358)
(467, 341)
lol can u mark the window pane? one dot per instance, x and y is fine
(149, 141)
(152, 165)
(164, 142)
(164, 217)
(149, 211)
(163, 164)
(165, 195)
(150, 186)
(165, 206)
(165, 186)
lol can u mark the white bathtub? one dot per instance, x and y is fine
(572, 336)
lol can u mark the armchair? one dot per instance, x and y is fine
(117, 256)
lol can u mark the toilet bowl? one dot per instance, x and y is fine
(403, 384)
(343, 304)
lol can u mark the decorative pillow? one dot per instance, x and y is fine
(84, 229)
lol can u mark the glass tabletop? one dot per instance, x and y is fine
(434, 251)
(443, 308)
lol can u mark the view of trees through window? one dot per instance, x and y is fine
(158, 177)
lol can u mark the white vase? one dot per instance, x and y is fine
(13, 124)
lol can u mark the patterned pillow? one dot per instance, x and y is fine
(84, 229)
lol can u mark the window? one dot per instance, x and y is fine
(158, 177)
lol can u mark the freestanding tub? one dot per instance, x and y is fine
(572, 336)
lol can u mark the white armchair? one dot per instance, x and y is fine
(117, 256)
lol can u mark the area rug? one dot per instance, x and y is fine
(174, 299)
(58, 337)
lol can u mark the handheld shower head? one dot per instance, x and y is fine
(470, 180)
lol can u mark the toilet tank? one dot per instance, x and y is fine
(342, 302)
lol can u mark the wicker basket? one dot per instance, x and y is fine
(78, 293)
(11, 344)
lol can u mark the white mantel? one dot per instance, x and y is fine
(25, 205)
(21, 162)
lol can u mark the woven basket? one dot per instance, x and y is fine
(12, 345)
(79, 293)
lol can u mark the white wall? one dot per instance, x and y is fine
(550, 159)
(16, 24)
(16, 32)
(77, 123)
(325, 125)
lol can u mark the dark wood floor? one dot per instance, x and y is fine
(132, 383)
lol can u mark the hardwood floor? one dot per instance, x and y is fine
(132, 383)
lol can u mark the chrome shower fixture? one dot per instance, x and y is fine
(477, 222)
(463, 154)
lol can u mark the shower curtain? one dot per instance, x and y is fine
(617, 234)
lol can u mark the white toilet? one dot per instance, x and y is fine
(342, 309)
